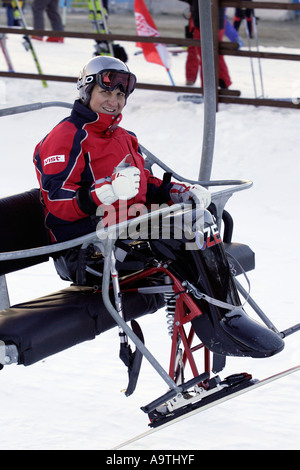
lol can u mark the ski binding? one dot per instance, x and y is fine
(201, 394)
(221, 391)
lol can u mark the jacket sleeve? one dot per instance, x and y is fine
(59, 163)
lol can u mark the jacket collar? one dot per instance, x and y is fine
(104, 123)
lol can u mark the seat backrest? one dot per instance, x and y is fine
(22, 227)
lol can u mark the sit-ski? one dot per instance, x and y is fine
(194, 275)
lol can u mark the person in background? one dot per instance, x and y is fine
(193, 60)
(12, 12)
(239, 15)
(51, 7)
(193, 63)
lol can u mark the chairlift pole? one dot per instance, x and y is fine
(208, 69)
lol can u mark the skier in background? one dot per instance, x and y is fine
(12, 12)
(239, 15)
(51, 7)
(193, 63)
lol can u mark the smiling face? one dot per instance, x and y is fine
(107, 102)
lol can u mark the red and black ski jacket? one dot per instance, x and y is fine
(82, 149)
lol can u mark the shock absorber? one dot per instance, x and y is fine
(170, 301)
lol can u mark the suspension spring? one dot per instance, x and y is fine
(170, 300)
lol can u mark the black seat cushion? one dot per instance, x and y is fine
(55, 322)
(22, 227)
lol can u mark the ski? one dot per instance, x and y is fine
(28, 43)
(294, 100)
(5, 52)
(214, 399)
(98, 17)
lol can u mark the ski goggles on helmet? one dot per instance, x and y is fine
(109, 80)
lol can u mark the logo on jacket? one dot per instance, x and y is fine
(54, 159)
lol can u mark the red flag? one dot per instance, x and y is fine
(145, 26)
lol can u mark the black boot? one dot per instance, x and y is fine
(223, 331)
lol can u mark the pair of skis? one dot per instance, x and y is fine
(233, 388)
(27, 44)
(98, 17)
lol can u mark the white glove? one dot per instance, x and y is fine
(105, 194)
(186, 192)
(125, 185)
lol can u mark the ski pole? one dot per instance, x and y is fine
(257, 48)
(251, 61)
(170, 76)
(28, 43)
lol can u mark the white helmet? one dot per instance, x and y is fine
(109, 73)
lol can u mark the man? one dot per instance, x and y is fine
(89, 161)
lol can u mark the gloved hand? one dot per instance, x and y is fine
(187, 192)
(125, 185)
(126, 182)
(105, 194)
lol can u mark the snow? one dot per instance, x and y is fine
(73, 400)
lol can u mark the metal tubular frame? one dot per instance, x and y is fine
(107, 238)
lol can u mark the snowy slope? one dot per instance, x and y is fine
(72, 400)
